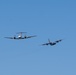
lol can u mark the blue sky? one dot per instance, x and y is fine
(53, 19)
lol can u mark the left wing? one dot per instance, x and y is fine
(9, 37)
(45, 44)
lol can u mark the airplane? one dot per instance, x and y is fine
(52, 43)
(20, 36)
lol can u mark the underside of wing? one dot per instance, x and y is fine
(9, 37)
(46, 44)
(58, 41)
(31, 36)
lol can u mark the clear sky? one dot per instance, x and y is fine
(53, 19)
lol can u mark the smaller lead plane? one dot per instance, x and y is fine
(52, 43)
(19, 37)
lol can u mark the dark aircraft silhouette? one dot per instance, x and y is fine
(20, 36)
(52, 43)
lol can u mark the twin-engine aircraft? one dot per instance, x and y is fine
(52, 43)
(19, 37)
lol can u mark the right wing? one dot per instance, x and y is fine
(31, 36)
(58, 41)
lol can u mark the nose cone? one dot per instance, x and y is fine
(53, 44)
(19, 36)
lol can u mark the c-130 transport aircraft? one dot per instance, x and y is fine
(52, 43)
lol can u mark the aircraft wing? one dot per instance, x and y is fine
(31, 36)
(9, 37)
(58, 41)
(45, 44)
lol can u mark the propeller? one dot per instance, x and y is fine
(14, 37)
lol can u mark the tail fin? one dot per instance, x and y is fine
(49, 40)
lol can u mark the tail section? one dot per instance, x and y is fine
(49, 40)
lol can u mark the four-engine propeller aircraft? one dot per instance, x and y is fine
(52, 43)
(19, 37)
